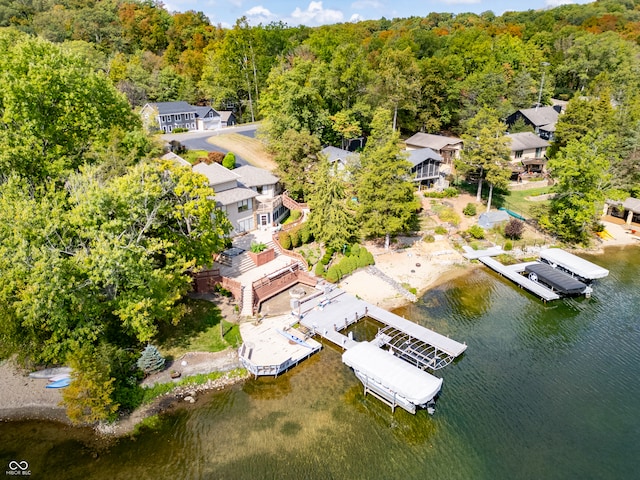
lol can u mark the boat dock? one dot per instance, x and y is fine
(513, 273)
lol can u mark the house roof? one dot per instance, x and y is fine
(168, 108)
(542, 117)
(225, 115)
(632, 204)
(526, 141)
(201, 112)
(234, 195)
(435, 142)
(335, 154)
(416, 157)
(251, 176)
(176, 158)
(216, 173)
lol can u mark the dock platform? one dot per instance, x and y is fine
(512, 272)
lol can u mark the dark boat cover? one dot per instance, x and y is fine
(554, 278)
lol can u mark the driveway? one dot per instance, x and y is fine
(197, 140)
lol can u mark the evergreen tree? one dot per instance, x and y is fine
(330, 220)
(387, 204)
(150, 361)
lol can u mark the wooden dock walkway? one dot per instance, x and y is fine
(512, 272)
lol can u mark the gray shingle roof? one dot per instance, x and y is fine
(168, 108)
(435, 142)
(234, 195)
(175, 158)
(632, 204)
(335, 154)
(541, 116)
(216, 173)
(251, 176)
(526, 141)
(416, 157)
(202, 111)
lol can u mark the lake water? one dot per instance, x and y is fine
(543, 392)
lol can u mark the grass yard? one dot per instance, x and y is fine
(517, 200)
(251, 149)
(192, 155)
(201, 330)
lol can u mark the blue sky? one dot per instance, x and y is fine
(313, 13)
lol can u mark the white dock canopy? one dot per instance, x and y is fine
(396, 375)
(573, 264)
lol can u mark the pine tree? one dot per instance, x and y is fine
(387, 204)
(150, 361)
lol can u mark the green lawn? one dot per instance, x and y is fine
(517, 202)
(192, 155)
(199, 331)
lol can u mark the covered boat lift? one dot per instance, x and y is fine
(390, 379)
(573, 265)
(556, 279)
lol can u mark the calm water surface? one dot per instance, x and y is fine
(543, 392)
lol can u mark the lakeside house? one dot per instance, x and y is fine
(627, 212)
(343, 158)
(250, 196)
(448, 148)
(543, 120)
(425, 168)
(528, 153)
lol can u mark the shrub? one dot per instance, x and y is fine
(508, 246)
(333, 274)
(440, 230)
(326, 258)
(179, 130)
(469, 210)
(150, 361)
(514, 229)
(257, 247)
(295, 238)
(365, 258)
(428, 238)
(476, 231)
(215, 157)
(447, 214)
(306, 235)
(319, 269)
(450, 192)
(229, 161)
(285, 240)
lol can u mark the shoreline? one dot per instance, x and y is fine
(23, 398)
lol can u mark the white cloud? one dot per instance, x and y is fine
(315, 14)
(259, 14)
(557, 3)
(355, 18)
(460, 2)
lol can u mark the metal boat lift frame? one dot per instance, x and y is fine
(412, 350)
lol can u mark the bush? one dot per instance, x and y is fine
(428, 238)
(333, 274)
(449, 215)
(326, 258)
(319, 269)
(179, 130)
(440, 230)
(229, 161)
(258, 247)
(514, 229)
(306, 235)
(285, 240)
(295, 238)
(476, 231)
(215, 157)
(508, 246)
(450, 192)
(469, 210)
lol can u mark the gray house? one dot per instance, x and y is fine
(542, 119)
(425, 167)
(167, 116)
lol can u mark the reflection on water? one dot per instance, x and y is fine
(543, 391)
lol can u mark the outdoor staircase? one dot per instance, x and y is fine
(247, 302)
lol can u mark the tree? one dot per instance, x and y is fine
(486, 153)
(150, 361)
(296, 155)
(581, 171)
(330, 220)
(229, 161)
(387, 204)
(53, 108)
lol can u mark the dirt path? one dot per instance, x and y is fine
(251, 149)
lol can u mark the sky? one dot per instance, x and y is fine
(314, 13)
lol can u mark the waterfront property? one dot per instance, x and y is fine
(392, 367)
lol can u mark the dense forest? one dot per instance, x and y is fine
(98, 240)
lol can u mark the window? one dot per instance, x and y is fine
(519, 154)
(243, 206)
(192, 116)
(538, 152)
